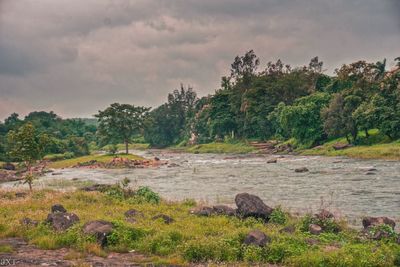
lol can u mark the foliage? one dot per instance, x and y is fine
(120, 122)
(278, 216)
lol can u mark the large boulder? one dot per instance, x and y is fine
(57, 208)
(375, 221)
(61, 221)
(100, 229)
(256, 238)
(252, 206)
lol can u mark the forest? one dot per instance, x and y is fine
(301, 104)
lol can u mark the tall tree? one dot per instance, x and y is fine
(120, 122)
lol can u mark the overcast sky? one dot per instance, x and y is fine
(75, 57)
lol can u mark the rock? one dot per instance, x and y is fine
(370, 173)
(252, 206)
(380, 235)
(57, 208)
(164, 217)
(375, 221)
(256, 238)
(223, 210)
(56, 173)
(314, 229)
(29, 222)
(62, 221)
(341, 146)
(133, 213)
(398, 239)
(202, 211)
(288, 229)
(272, 161)
(156, 158)
(8, 166)
(302, 169)
(324, 214)
(99, 228)
(173, 165)
(21, 194)
(97, 187)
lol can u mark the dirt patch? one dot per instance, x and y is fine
(25, 254)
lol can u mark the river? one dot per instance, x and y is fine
(351, 188)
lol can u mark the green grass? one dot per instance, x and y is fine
(235, 148)
(67, 163)
(190, 238)
(375, 146)
(6, 249)
(134, 146)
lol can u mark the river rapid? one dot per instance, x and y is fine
(350, 188)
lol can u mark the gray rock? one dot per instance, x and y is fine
(132, 213)
(375, 221)
(256, 238)
(166, 219)
(315, 229)
(100, 229)
(57, 208)
(223, 210)
(252, 206)
(203, 211)
(61, 221)
(272, 161)
(302, 169)
(21, 194)
(8, 166)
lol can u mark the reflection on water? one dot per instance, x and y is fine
(350, 186)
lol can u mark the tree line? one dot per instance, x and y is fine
(277, 102)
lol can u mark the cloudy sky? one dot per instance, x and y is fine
(75, 57)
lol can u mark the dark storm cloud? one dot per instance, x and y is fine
(75, 57)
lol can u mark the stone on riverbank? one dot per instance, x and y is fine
(62, 221)
(100, 229)
(252, 206)
(256, 238)
(302, 169)
(376, 221)
(57, 208)
(165, 218)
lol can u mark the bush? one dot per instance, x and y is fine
(328, 225)
(145, 194)
(278, 216)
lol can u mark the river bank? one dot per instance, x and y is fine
(147, 230)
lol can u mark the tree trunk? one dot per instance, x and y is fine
(366, 134)
(126, 147)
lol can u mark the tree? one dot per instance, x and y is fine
(302, 120)
(120, 122)
(28, 146)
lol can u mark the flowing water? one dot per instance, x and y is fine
(350, 187)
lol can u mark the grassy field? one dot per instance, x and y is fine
(190, 238)
(375, 146)
(66, 163)
(236, 148)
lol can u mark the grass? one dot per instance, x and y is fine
(234, 148)
(67, 163)
(375, 146)
(216, 239)
(133, 146)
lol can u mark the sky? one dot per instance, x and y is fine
(76, 57)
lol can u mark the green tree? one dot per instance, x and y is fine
(120, 122)
(27, 145)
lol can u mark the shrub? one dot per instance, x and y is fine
(278, 216)
(145, 194)
(328, 225)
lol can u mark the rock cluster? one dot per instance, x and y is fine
(119, 162)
